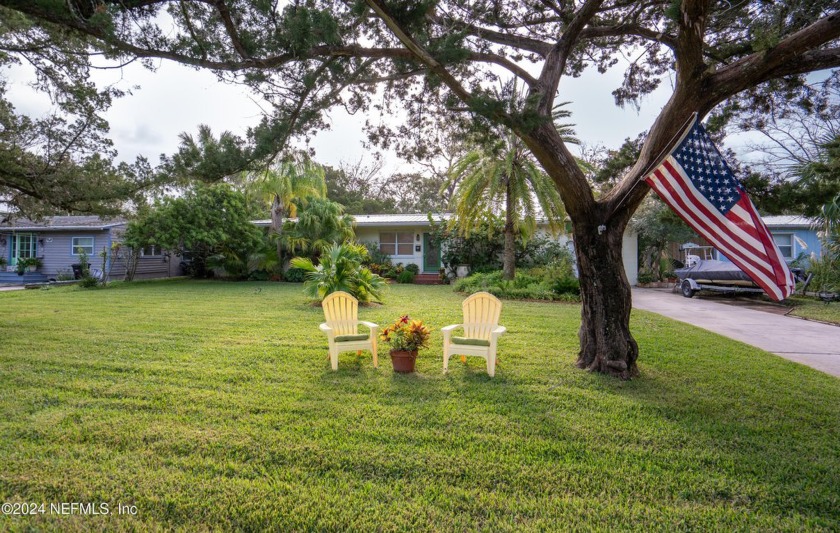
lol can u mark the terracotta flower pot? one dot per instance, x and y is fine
(403, 361)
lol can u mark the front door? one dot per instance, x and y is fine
(431, 254)
(23, 246)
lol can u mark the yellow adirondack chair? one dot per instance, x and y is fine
(481, 331)
(341, 311)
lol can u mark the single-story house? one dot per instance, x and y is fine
(794, 235)
(406, 238)
(57, 241)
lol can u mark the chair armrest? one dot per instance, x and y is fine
(371, 326)
(497, 332)
(328, 330)
(447, 332)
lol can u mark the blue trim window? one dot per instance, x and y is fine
(785, 243)
(82, 243)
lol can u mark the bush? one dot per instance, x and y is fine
(645, 277)
(340, 269)
(88, 282)
(406, 276)
(553, 282)
(414, 269)
(394, 271)
(295, 275)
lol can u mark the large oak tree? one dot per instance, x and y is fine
(446, 59)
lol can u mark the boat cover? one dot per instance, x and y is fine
(709, 269)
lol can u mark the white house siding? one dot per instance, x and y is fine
(630, 256)
(371, 234)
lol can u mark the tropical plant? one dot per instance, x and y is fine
(826, 268)
(340, 269)
(504, 174)
(657, 226)
(283, 187)
(406, 335)
(321, 223)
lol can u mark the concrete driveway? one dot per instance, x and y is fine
(810, 343)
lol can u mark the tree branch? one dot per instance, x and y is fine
(419, 52)
(555, 62)
(231, 30)
(515, 41)
(790, 56)
(619, 30)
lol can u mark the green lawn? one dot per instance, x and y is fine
(814, 309)
(211, 405)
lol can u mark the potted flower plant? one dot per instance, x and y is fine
(406, 337)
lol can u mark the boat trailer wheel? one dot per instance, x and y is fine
(687, 291)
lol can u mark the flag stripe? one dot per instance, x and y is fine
(760, 274)
(763, 281)
(698, 184)
(745, 239)
(710, 224)
(769, 245)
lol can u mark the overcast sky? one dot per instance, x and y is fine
(177, 99)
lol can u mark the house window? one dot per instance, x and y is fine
(23, 246)
(785, 243)
(82, 244)
(397, 243)
(152, 250)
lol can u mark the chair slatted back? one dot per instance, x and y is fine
(341, 312)
(481, 315)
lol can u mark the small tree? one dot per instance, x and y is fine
(208, 221)
(657, 226)
(284, 186)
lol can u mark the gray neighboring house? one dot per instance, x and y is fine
(56, 241)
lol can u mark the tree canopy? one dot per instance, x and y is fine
(449, 61)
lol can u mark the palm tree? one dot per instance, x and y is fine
(505, 176)
(321, 223)
(284, 186)
(340, 269)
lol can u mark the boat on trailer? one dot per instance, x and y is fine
(701, 271)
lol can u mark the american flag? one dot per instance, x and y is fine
(699, 186)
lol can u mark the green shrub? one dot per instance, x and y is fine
(566, 286)
(645, 277)
(88, 282)
(406, 276)
(340, 269)
(414, 269)
(295, 275)
(259, 275)
(553, 282)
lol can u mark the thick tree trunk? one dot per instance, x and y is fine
(277, 227)
(606, 344)
(509, 259)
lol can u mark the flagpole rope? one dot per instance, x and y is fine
(668, 147)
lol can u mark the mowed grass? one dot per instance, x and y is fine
(815, 309)
(211, 405)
